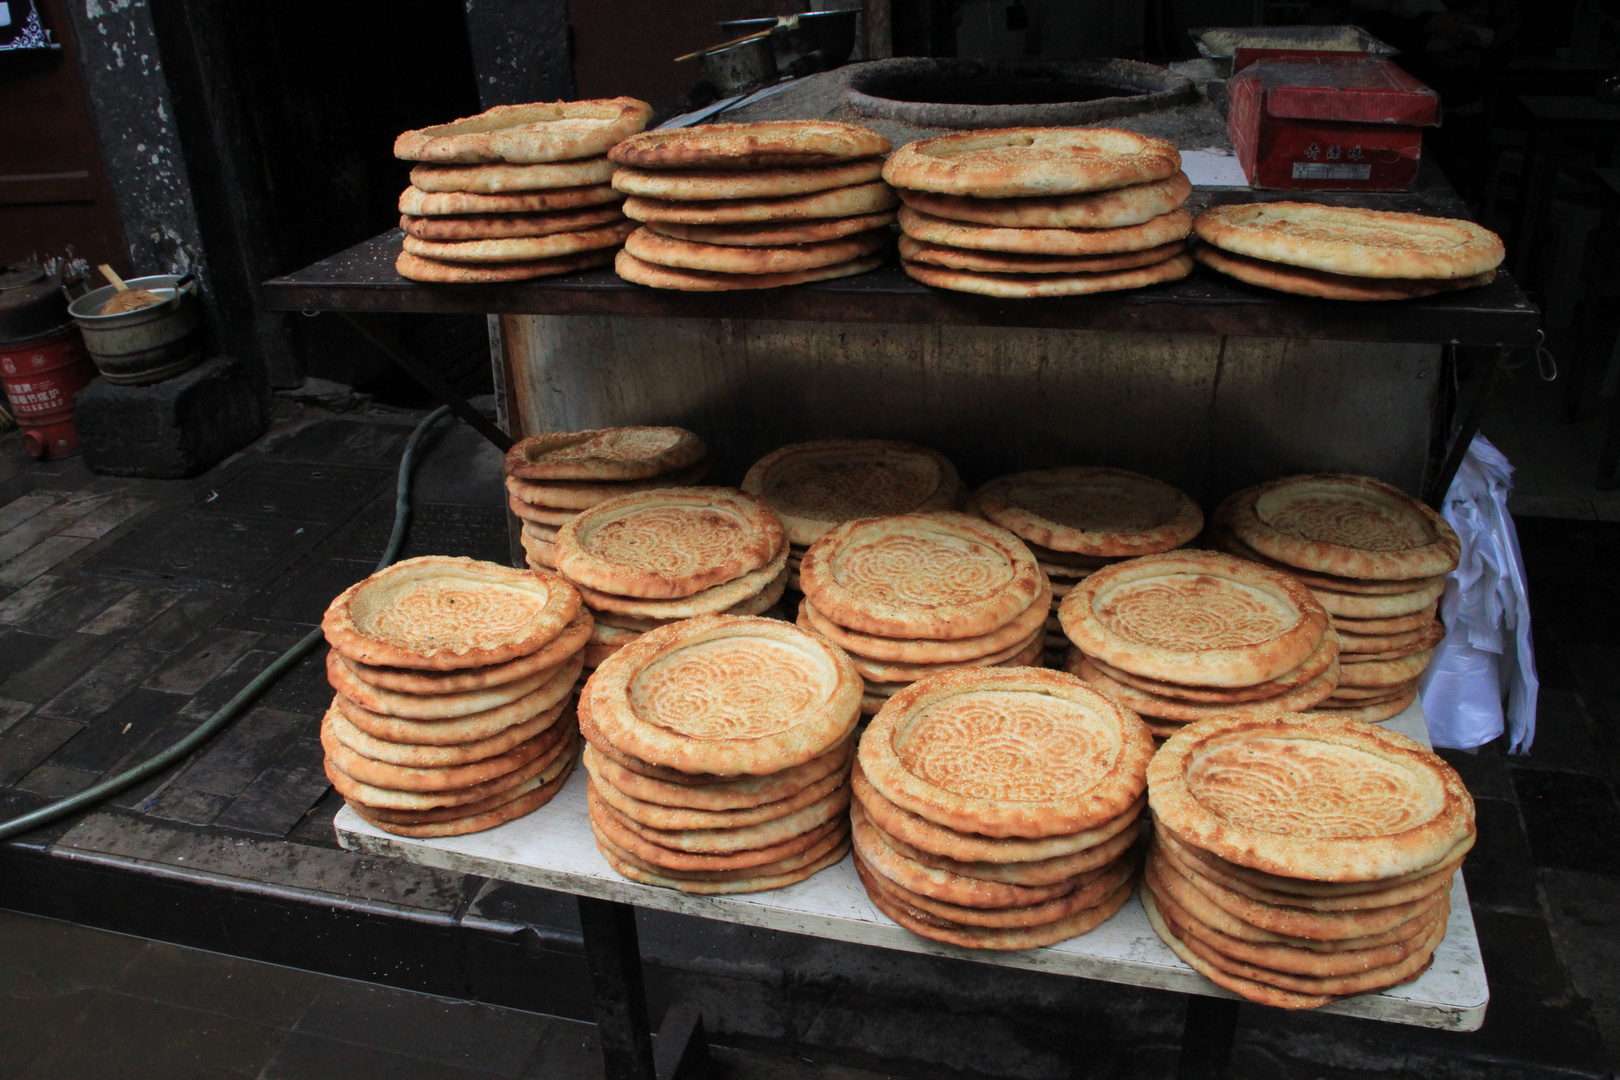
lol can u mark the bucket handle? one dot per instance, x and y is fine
(186, 284)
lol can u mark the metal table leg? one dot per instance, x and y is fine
(1206, 1038)
(1471, 418)
(613, 953)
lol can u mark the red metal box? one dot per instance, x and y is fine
(1312, 121)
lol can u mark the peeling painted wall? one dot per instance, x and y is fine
(520, 49)
(140, 148)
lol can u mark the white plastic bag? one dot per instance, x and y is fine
(1486, 657)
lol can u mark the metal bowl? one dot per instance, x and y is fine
(821, 41)
(148, 344)
(740, 68)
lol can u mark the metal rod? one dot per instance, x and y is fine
(431, 382)
(1472, 417)
(1206, 1037)
(614, 955)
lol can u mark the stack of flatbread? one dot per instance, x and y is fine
(655, 557)
(1189, 635)
(453, 678)
(997, 809)
(814, 486)
(551, 478)
(520, 191)
(1079, 519)
(916, 594)
(719, 755)
(1024, 212)
(1346, 252)
(1373, 556)
(753, 206)
(1298, 860)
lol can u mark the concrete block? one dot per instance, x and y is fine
(176, 428)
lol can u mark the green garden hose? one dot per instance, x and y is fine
(228, 712)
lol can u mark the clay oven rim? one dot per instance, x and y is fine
(1140, 88)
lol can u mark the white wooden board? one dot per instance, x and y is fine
(553, 849)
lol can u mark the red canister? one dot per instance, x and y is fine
(43, 361)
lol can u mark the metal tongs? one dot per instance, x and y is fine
(783, 22)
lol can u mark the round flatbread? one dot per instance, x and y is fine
(725, 695)
(434, 755)
(657, 816)
(925, 650)
(765, 145)
(534, 132)
(540, 522)
(1013, 162)
(1010, 752)
(1043, 872)
(1388, 605)
(722, 794)
(640, 272)
(746, 595)
(533, 796)
(547, 764)
(435, 706)
(1393, 625)
(501, 226)
(577, 495)
(447, 613)
(549, 698)
(941, 884)
(1030, 286)
(416, 681)
(814, 486)
(607, 822)
(622, 453)
(841, 202)
(887, 671)
(684, 185)
(521, 248)
(1352, 240)
(1296, 699)
(670, 542)
(745, 838)
(1165, 229)
(1369, 713)
(938, 575)
(1092, 511)
(774, 233)
(1196, 617)
(448, 778)
(1325, 286)
(1309, 798)
(1094, 210)
(500, 178)
(1346, 525)
(730, 885)
(417, 203)
(653, 247)
(416, 268)
(995, 262)
(1325, 656)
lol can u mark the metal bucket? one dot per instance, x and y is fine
(149, 344)
(737, 69)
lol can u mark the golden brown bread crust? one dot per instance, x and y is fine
(1030, 286)
(1092, 210)
(654, 276)
(1345, 525)
(444, 613)
(997, 262)
(705, 184)
(1153, 233)
(775, 233)
(438, 203)
(529, 133)
(1313, 666)
(668, 543)
(1326, 286)
(357, 791)
(924, 650)
(661, 250)
(1196, 617)
(1012, 162)
(816, 485)
(1306, 797)
(498, 178)
(1354, 241)
(1091, 510)
(749, 594)
(511, 249)
(858, 199)
(766, 145)
(584, 494)
(417, 268)
(498, 226)
(417, 681)
(1295, 699)
(730, 884)
(725, 695)
(934, 575)
(1007, 752)
(598, 454)
(533, 797)
(719, 793)
(744, 838)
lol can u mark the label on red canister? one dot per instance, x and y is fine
(42, 377)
